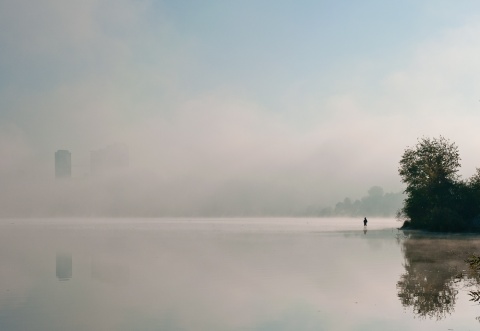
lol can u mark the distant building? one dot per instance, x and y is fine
(110, 159)
(63, 164)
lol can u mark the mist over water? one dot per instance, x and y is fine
(221, 274)
(187, 110)
(289, 111)
(229, 186)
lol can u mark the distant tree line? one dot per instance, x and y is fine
(437, 199)
(376, 203)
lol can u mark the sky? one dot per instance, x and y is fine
(229, 107)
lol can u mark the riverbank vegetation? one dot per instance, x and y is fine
(437, 199)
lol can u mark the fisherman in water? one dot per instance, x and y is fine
(365, 221)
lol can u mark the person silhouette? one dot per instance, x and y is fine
(365, 221)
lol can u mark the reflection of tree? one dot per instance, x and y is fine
(433, 268)
(473, 275)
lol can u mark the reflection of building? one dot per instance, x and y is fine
(109, 159)
(63, 164)
(64, 267)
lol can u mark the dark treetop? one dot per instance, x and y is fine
(436, 197)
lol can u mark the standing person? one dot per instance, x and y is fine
(365, 221)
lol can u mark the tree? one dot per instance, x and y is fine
(434, 192)
(431, 162)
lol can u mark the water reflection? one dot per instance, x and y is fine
(64, 266)
(109, 271)
(435, 271)
(215, 275)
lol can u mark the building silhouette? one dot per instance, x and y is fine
(109, 159)
(63, 164)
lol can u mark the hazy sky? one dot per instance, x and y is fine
(278, 102)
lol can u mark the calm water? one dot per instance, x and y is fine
(231, 274)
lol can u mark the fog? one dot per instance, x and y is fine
(226, 110)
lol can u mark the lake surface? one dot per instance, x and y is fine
(231, 274)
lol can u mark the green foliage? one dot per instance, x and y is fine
(437, 199)
(432, 163)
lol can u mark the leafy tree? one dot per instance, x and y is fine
(474, 181)
(437, 199)
(432, 162)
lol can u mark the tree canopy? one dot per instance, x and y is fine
(432, 162)
(436, 197)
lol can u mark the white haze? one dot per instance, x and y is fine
(83, 75)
